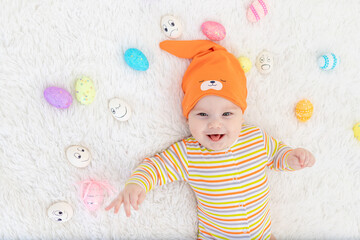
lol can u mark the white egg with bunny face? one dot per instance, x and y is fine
(119, 109)
(78, 156)
(264, 62)
(171, 26)
(60, 212)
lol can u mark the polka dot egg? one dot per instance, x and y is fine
(304, 110)
(356, 130)
(85, 90)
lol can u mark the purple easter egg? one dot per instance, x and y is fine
(213, 30)
(58, 97)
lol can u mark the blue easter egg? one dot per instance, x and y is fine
(328, 61)
(136, 59)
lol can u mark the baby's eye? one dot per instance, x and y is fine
(202, 114)
(226, 114)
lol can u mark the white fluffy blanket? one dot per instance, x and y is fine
(52, 43)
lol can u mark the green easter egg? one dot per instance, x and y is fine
(85, 90)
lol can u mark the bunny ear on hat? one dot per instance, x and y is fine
(189, 49)
(212, 71)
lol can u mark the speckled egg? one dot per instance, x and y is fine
(58, 97)
(136, 59)
(213, 30)
(328, 61)
(356, 130)
(304, 110)
(85, 90)
(245, 63)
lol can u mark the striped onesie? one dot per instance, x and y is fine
(230, 185)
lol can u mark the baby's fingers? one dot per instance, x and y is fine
(127, 205)
(111, 205)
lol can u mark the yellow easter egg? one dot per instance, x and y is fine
(304, 110)
(85, 90)
(357, 131)
(245, 63)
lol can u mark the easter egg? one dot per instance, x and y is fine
(264, 62)
(171, 26)
(119, 109)
(85, 90)
(58, 97)
(328, 61)
(60, 212)
(304, 110)
(356, 130)
(257, 10)
(78, 156)
(136, 59)
(213, 30)
(245, 63)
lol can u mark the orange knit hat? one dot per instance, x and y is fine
(213, 71)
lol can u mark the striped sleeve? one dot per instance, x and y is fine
(168, 166)
(277, 153)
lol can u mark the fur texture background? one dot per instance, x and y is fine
(51, 43)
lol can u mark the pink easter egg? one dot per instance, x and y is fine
(257, 10)
(58, 97)
(213, 30)
(94, 197)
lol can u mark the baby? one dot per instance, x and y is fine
(224, 160)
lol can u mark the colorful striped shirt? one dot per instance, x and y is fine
(231, 186)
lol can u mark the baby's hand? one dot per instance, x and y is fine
(300, 158)
(133, 194)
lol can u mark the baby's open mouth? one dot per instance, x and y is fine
(215, 137)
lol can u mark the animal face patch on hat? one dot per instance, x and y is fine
(212, 71)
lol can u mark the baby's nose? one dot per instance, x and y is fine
(212, 82)
(215, 124)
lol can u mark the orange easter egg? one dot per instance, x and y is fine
(304, 110)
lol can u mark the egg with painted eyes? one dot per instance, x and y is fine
(60, 212)
(78, 156)
(264, 62)
(171, 26)
(119, 109)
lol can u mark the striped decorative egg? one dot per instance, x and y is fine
(304, 110)
(85, 90)
(328, 61)
(257, 10)
(213, 30)
(356, 130)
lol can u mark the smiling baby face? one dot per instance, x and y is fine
(78, 156)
